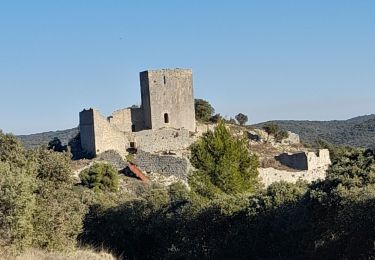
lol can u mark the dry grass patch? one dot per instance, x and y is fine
(81, 254)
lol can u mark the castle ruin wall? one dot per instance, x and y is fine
(167, 99)
(87, 131)
(305, 160)
(108, 137)
(127, 119)
(163, 140)
(271, 175)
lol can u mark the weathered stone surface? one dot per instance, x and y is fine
(127, 120)
(98, 135)
(292, 139)
(202, 128)
(305, 160)
(163, 140)
(271, 175)
(167, 99)
(167, 102)
(167, 165)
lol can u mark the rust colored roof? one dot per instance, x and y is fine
(138, 173)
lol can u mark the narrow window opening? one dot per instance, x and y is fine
(132, 145)
(165, 80)
(133, 128)
(166, 118)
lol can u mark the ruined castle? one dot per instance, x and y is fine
(163, 127)
(161, 123)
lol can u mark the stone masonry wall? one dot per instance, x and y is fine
(271, 175)
(163, 164)
(127, 118)
(168, 92)
(305, 160)
(163, 140)
(87, 132)
(108, 137)
(121, 119)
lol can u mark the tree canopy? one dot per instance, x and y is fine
(223, 164)
(241, 118)
(203, 110)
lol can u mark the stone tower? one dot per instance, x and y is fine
(167, 99)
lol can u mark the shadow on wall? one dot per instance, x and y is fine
(76, 150)
(296, 161)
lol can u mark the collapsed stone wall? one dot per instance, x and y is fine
(121, 119)
(305, 160)
(311, 167)
(127, 119)
(167, 165)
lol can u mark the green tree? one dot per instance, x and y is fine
(100, 176)
(223, 164)
(56, 145)
(274, 129)
(271, 128)
(241, 118)
(216, 118)
(281, 135)
(203, 110)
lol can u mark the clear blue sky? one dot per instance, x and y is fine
(269, 59)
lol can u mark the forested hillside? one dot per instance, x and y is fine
(357, 132)
(35, 140)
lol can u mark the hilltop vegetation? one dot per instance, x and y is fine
(43, 208)
(356, 132)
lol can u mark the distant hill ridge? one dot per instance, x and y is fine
(34, 140)
(358, 131)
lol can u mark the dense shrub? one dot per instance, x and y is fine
(58, 217)
(17, 198)
(38, 206)
(11, 150)
(100, 176)
(59, 210)
(53, 166)
(17, 206)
